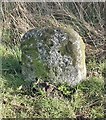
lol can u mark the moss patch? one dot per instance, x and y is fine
(40, 69)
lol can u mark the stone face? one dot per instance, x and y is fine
(54, 54)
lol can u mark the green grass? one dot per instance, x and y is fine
(87, 100)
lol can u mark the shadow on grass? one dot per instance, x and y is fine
(11, 72)
(10, 65)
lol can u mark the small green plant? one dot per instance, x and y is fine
(66, 90)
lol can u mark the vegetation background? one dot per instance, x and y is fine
(21, 99)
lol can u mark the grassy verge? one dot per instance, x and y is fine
(85, 102)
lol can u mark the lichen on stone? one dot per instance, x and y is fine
(53, 53)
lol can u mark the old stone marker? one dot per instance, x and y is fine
(55, 54)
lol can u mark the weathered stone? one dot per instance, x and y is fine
(55, 54)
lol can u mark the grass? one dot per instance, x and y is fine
(86, 101)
